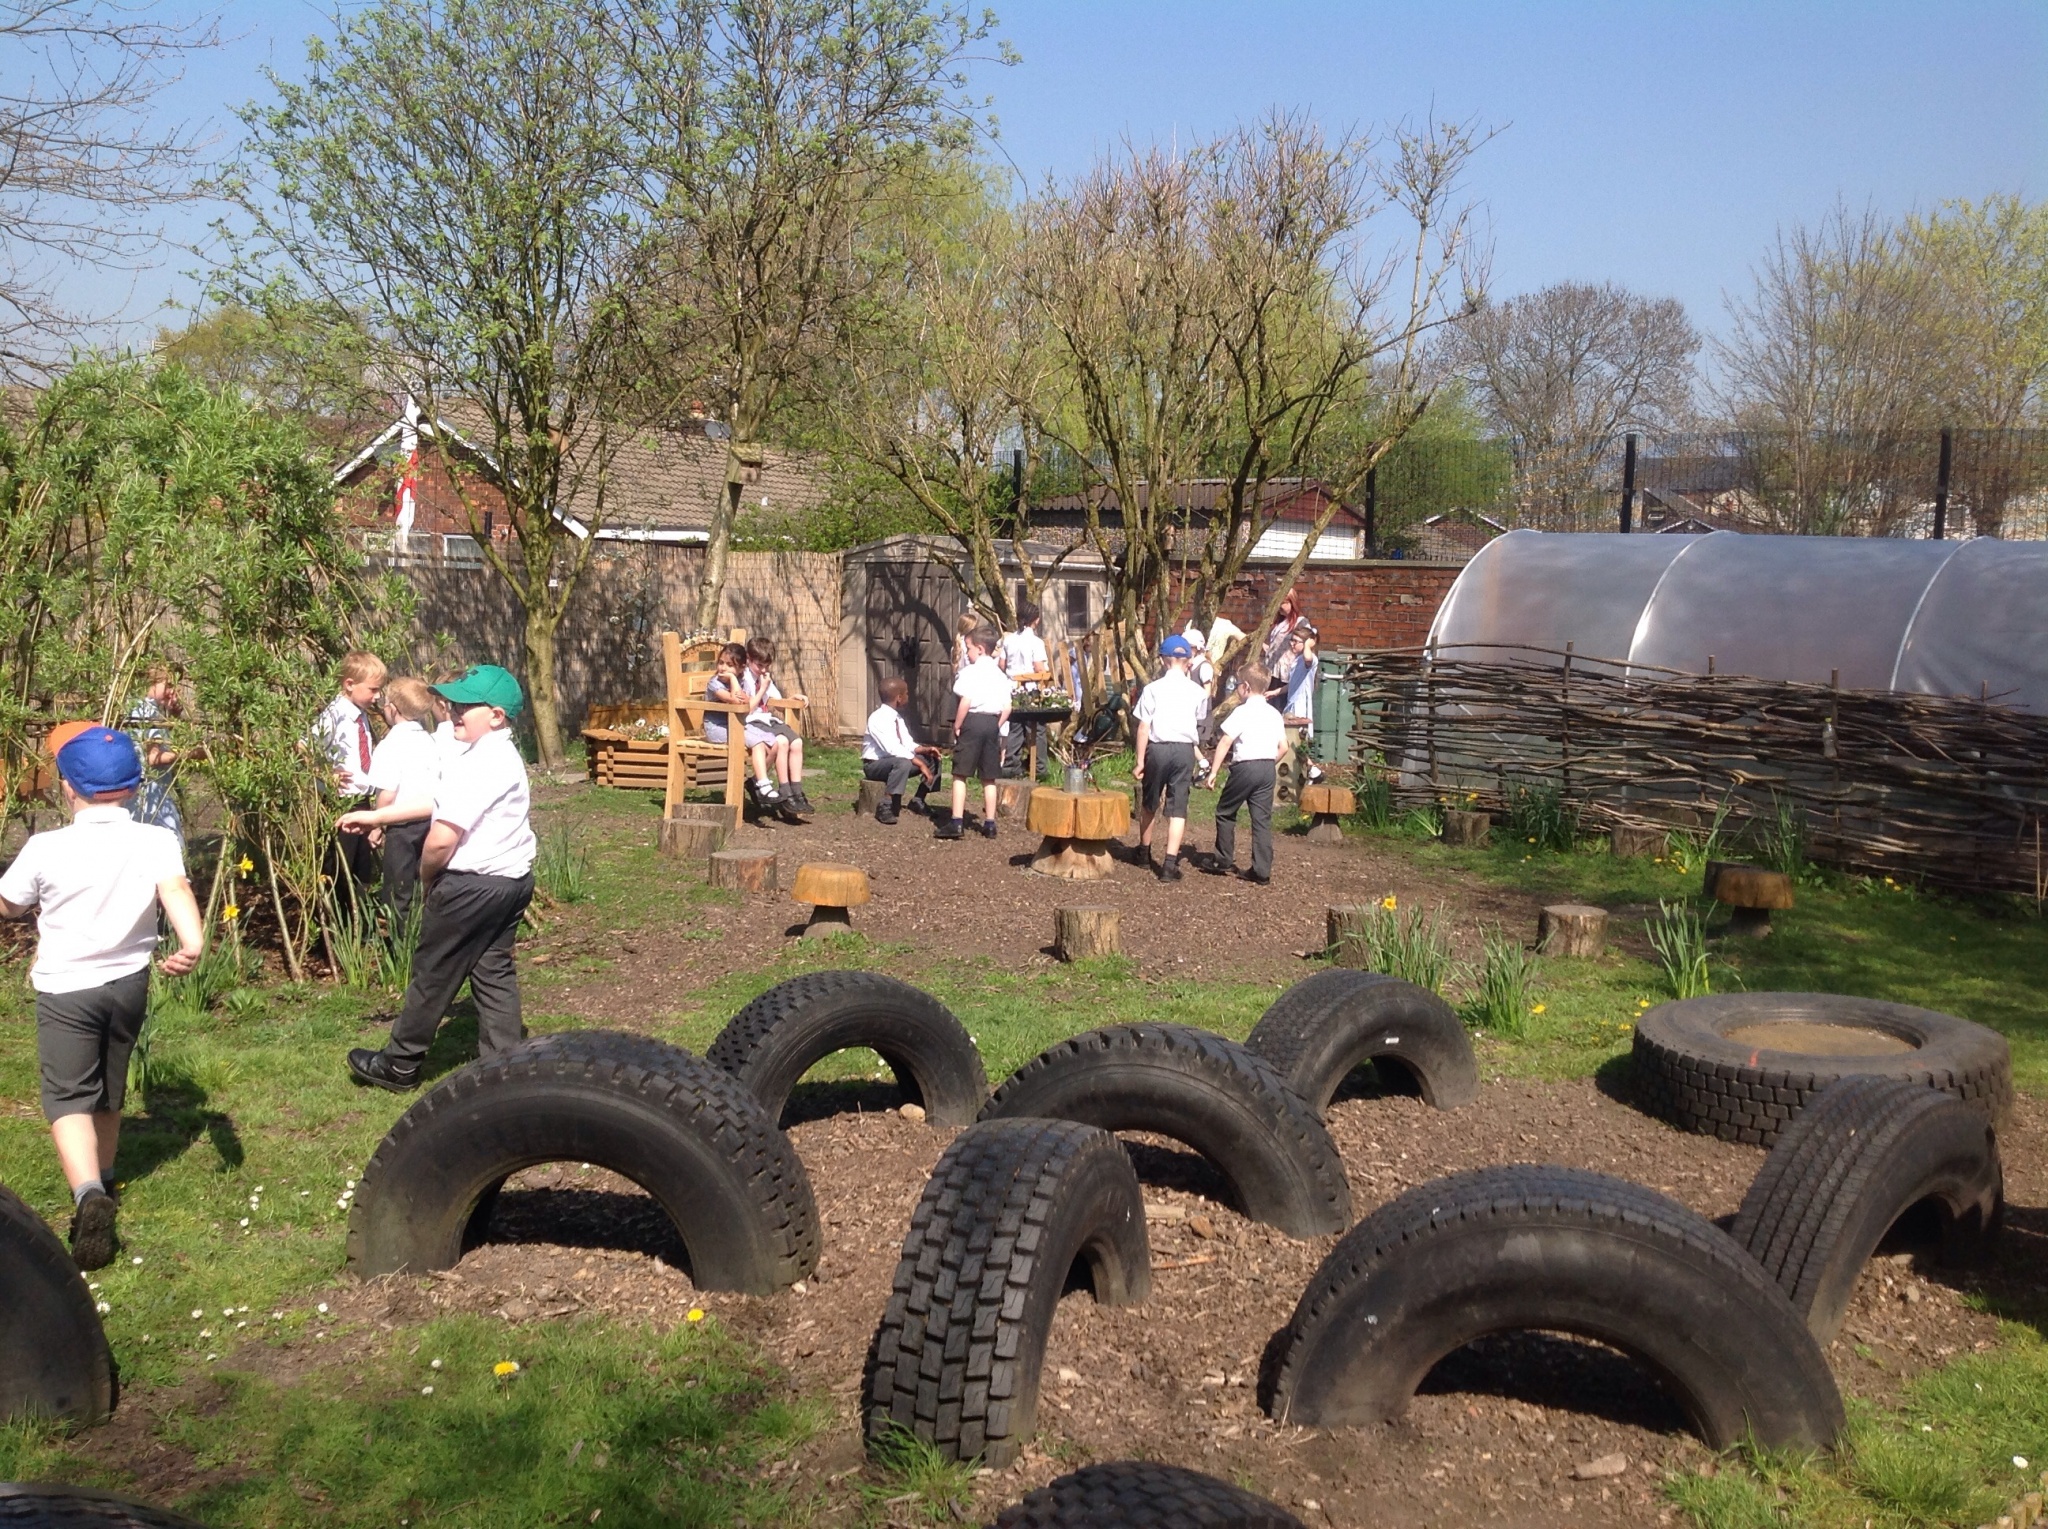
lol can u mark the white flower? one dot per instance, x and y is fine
(211, 1357)
(322, 1307)
(227, 1311)
(2020, 1461)
(135, 1260)
(434, 1365)
(197, 1315)
(206, 1332)
(426, 1390)
(245, 1221)
(103, 1308)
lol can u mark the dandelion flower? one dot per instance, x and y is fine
(1538, 1008)
(505, 1367)
(696, 1314)
(245, 865)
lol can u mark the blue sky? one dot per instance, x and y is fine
(1654, 144)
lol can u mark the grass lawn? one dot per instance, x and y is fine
(240, 1153)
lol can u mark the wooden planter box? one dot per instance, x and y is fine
(613, 759)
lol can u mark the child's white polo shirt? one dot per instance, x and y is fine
(1256, 731)
(484, 793)
(408, 761)
(985, 686)
(93, 885)
(1174, 705)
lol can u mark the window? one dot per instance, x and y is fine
(1079, 621)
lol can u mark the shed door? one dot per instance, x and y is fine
(911, 608)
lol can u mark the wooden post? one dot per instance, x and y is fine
(1087, 930)
(1345, 925)
(744, 870)
(872, 794)
(1571, 929)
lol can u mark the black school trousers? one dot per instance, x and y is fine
(402, 845)
(1250, 784)
(467, 931)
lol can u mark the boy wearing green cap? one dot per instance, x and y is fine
(477, 867)
(95, 886)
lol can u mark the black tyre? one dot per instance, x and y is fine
(1009, 1210)
(1201, 1090)
(1864, 1153)
(1135, 1494)
(1710, 1065)
(1325, 1025)
(54, 1359)
(781, 1035)
(1554, 1250)
(26, 1504)
(681, 1129)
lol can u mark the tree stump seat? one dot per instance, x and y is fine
(1634, 840)
(743, 870)
(1086, 930)
(1751, 892)
(1012, 797)
(1326, 804)
(1468, 828)
(1571, 929)
(831, 889)
(695, 830)
(1076, 828)
(872, 794)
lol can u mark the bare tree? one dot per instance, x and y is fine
(1215, 310)
(1563, 372)
(80, 163)
(1825, 370)
(789, 128)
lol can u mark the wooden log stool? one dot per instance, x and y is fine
(872, 794)
(1077, 828)
(1571, 929)
(693, 830)
(831, 889)
(1326, 804)
(1633, 841)
(1751, 891)
(1344, 927)
(744, 870)
(1086, 930)
(1012, 797)
(1467, 828)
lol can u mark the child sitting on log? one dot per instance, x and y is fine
(889, 754)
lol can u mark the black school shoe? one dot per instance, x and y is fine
(949, 828)
(1254, 877)
(988, 828)
(378, 1070)
(1210, 865)
(93, 1243)
(1169, 868)
(885, 812)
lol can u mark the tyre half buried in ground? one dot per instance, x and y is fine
(782, 1034)
(54, 1507)
(1136, 1494)
(1317, 1031)
(1741, 1065)
(1206, 1092)
(1552, 1250)
(681, 1129)
(54, 1359)
(1013, 1208)
(1864, 1153)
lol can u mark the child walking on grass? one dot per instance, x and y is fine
(96, 886)
(477, 868)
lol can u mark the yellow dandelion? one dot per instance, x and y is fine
(505, 1367)
(230, 913)
(1532, 841)
(1538, 1008)
(696, 1314)
(245, 865)
(1387, 902)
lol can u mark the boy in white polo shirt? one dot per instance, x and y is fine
(96, 886)
(1169, 716)
(477, 866)
(978, 724)
(1254, 737)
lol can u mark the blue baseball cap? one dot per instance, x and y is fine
(1176, 647)
(100, 760)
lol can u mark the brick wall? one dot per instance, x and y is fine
(1354, 605)
(607, 648)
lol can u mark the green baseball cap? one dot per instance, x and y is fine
(486, 685)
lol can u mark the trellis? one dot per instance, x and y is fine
(1949, 791)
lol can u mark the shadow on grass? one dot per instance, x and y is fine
(173, 1118)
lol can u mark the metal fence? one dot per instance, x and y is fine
(1915, 483)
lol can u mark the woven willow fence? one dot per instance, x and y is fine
(1946, 791)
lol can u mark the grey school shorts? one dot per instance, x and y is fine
(979, 748)
(1169, 772)
(83, 1040)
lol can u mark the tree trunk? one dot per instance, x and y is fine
(711, 586)
(540, 684)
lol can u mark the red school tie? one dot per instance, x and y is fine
(363, 740)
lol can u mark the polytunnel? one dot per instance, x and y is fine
(1957, 618)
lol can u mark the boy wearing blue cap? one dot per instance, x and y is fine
(477, 867)
(96, 885)
(1169, 717)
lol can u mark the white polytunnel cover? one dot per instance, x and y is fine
(1940, 617)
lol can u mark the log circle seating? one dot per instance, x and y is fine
(1326, 804)
(1751, 891)
(831, 889)
(1077, 829)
